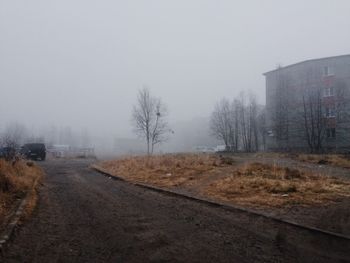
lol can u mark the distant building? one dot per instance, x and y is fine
(308, 105)
(62, 151)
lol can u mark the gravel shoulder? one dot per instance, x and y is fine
(83, 216)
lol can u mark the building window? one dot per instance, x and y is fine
(331, 133)
(327, 71)
(329, 91)
(330, 112)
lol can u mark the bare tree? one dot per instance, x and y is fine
(242, 120)
(317, 111)
(314, 118)
(240, 124)
(12, 138)
(254, 126)
(324, 109)
(235, 125)
(262, 127)
(341, 92)
(248, 123)
(149, 119)
(341, 104)
(281, 117)
(13, 135)
(221, 122)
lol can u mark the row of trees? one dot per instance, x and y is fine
(239, 123)
(13, 135)
(16, 134)
(149, 119)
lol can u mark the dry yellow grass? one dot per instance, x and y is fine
(252, 184)
(331, 159)
(16, 179)
(165, 170)
(259, 184)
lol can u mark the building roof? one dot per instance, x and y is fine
(305, 61)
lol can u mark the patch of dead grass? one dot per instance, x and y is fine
(16, 179)
(259, 184)
(165, 170)
(251, 184)
(330, 159)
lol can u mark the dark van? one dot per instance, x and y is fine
(34, 151)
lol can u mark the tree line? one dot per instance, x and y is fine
(239, 124)
(15, 134)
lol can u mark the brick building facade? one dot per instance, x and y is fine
(308, 106)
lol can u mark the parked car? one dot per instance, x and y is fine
(34, 151)
(220, 148)
(204, 149)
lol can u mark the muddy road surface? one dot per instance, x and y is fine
(83, 216)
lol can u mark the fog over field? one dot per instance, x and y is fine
(80, 63)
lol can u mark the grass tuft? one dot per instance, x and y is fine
(270, 185)
(16, 179)
(163, 170)
(326, 159)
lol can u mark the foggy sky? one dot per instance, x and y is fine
(80, 63)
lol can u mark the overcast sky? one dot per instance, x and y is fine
(80, 63)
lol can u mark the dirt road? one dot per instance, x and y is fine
(83, 216)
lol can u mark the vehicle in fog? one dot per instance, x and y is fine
(59, 151)
(220, 148)
(34, 151)
(204, 149)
